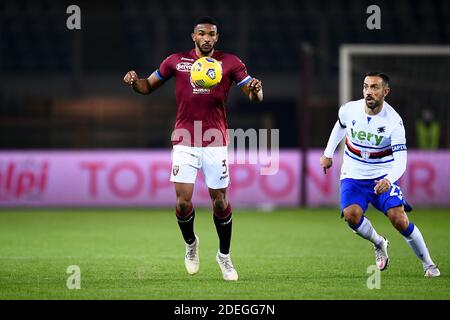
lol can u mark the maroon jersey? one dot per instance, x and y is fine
(198, 107)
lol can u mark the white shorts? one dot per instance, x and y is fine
(213, 161)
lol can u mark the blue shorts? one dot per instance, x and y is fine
(361, 192)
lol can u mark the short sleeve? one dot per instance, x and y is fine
(239, 73)
(166, 69)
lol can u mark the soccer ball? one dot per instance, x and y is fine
(206, 72)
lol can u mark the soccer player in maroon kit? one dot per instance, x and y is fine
(206, 109)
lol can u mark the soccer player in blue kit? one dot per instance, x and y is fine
(375, 158)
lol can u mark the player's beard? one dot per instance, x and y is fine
(204, 51)
(375, 104)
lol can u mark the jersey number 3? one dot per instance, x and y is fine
(224, 164)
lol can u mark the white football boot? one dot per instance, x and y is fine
(432, 271)
(226, 266)
(381, 255)
(192, 259)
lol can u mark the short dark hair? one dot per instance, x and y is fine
(206, 19)
(382, 75)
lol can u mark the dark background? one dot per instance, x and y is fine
(63, 89)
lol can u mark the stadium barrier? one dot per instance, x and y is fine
(141, 178)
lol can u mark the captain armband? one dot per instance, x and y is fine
(399, 147)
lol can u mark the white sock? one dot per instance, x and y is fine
(365, 230)
(415, 240)
(192, 244)
(224, 256)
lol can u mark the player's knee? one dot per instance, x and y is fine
(219, 205)
(183, 206)
(400, 222)
(352, 216)
(222, 210)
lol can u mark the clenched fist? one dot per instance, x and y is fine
(131, 77)
(381, 186)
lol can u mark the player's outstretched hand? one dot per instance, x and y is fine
(130, 77)
(381, 186)
(326, 163)
(255, 85)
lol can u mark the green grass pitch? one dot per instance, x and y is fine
(287, 254)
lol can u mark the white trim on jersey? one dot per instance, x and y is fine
(157, 73)
(244, 81)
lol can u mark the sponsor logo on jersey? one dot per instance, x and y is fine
(187, 59)
(201, 91)
(363, 135)
(184, 66)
